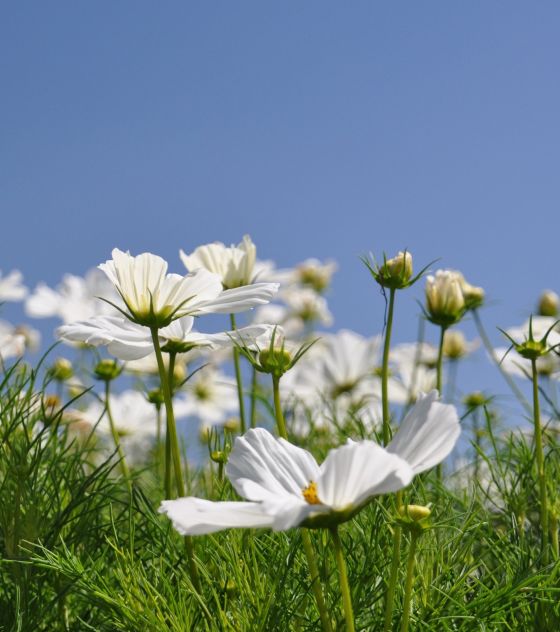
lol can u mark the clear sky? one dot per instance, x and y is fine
(321, 128)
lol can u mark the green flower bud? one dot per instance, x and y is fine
(275, 361)
(61, 370)
(395, 273)
(549, 304)
(475, 399)
(454, 345)
(155, 396)
(445, 304)
(107, 370)
(415, 513)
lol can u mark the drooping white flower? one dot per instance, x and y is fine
(128, 340)
(285, 487)
(11, 287)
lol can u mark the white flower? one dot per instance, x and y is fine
(75, 298)
(445, 302)
(234, 265)
(11, 287)
(128, 340)
(152, 297)
(286, 487)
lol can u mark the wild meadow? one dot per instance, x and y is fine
(196, 453)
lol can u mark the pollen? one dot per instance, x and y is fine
(310, 493)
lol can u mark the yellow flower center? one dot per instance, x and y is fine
(310, 493)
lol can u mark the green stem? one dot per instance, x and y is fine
(238, 379)
(409, 581)
(171, 427)
(278, 408)
(307, 546)
(490, 350)
(439, 385)
(343, 579)
(385, 370)
(539, 457)
(122, 460)
(390, 597)
(254, 387)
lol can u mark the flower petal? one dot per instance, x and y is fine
(196, 516)
(427, 434)
(261, 467)
(358, 470)
(239, 299)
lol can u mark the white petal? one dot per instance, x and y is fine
(427, 434)
(356, 471)
(261, 467)
(239, 299)
(195, 516)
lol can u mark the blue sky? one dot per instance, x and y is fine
(322, 129)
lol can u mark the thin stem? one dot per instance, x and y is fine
(281, 424)
(539, 456)
(306, 540)
(122, 460)
(395, 561)
(409, 582)
(385, 370)
(254, 387)
(171, 427)
(343, 579)
(168, 456)
(174, 446)
(238, 379)
(439, 385)
(490, 350)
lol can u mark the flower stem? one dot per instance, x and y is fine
(306, 540)
(238, 379)
(409, 581)
(278, 408)
(171, 427)
(490, 350)
(343, 579)
(390, 597)
(122, 460)
(539, 457)
(385, 369)
(254, 387)
(439, 385)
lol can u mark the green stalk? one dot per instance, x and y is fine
(343, 579)
(238, 379)
(439, 385)
(168, 457)
(254, 387)
(385, 369)
(174, 448)
(409, 581)
(171, 427)
(539, 456)
(390, 597)
(122, 460)
(306, 540)
(490, 350)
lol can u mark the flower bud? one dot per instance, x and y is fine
(395, 273)
(155, 396)
(549, 304)
(218, 456)
(472, 294)
(454, 344)
(445, 303)
(232, 424)
(61, 370)
(475, 399)
(415, 513)
(107, 370)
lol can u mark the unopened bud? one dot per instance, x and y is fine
(232, 424)
(107, 370)
(475, 399)
(155, 396)
(445, 303)
(454, 344)
(61, 370)
(218, 456)
(415, 513)
(395, 273)
(549, 304)
(473, 295)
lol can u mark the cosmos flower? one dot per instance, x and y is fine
(285, 487)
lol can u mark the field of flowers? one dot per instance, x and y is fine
(267, 475)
